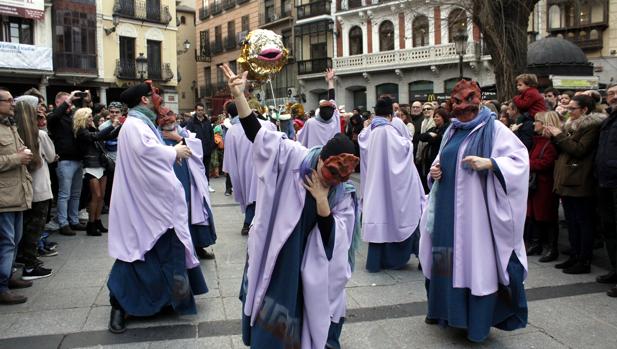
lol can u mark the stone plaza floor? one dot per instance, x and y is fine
(71, 309)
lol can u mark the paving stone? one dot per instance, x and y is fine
(42, 322)
(370, 296)
(233, 308)
(194, 343)
(66, 298)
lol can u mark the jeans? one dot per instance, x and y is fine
(70, 176)
(11, 225)
(579, 213)
(249, 213)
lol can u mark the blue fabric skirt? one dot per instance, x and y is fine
(203, 235)
(505, 309)
(144, 288)
(392, 255)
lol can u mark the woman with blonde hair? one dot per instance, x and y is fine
(542, 203)
(95, 163)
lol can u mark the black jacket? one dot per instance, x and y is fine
(60, 126)
(606, 156)
(433, 143)
(203, 131)
(86, 141)
(525, 132)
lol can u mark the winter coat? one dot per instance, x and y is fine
(525, 131)
(432, 143)
(530, 101)
(203, 131)
(15, 181)
(542, 203)
(606, 157)
(92, 155)
(60, 126)
(577, 145)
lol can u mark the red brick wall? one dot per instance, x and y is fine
(437, 16)
(401, 30)
(339, 40)
(369, 35)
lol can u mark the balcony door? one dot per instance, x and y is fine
(154, 59)
(127, 56)
(319, 56)
(153, 10)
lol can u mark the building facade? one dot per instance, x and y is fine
(187, 68)
(221, 27)
(404, 49)
(590, 24)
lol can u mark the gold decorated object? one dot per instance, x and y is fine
(262, 54)
(295, 109)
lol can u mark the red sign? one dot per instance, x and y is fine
(34, 9)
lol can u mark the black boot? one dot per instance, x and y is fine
(245, 229)
(91, 229)
(553, 239)
(534, 249)
(581, 267)
(551, 255)
(203, 254)
(117, 321)
(100, 227)
(567, 264)
(610, 278)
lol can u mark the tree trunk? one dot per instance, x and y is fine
(503, 24)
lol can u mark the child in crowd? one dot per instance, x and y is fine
(529, 99)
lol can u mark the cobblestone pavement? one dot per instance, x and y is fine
(70, 309)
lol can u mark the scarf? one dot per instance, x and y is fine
(235, 120)
(148, 117)
(379, 121)
(480, 144)
(309, 163)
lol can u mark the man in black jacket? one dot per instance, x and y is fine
(69, 170)
(201, 126)
(606, 170)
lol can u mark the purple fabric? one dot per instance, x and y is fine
(199, 182)
(238, 162)
(479, 263)
(315, 132)
(400, 126)
(393, 196)
(147, 198)
(281, 195)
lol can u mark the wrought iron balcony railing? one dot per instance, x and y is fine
(204, 56)
(230, 43)
(229, 4)
(216, 47)
(204, 13)
(315, 8)
(216, 8)
(314, 66)
(142, 10)
(75, 63)
(127, 70)
(206, 91)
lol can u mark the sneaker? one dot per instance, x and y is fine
(52, 226)
(44, 252)
(66, 230)
(83, 215)
(50, 245)
(228, 192)
(35, 273)
(210, 189)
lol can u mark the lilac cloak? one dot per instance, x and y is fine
(315, 132)
(199, 182)
(281, 200)
(480, 260)
(238, 163)
(147, 198)
(393, 196)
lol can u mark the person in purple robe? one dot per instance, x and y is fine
(149, 235)
(392, 194)
(192, 175)
(327, 121)
(471, 243)
(300, 246)
(238, 163)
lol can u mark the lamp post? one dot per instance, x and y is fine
(187, 45)
(141, 63)
(460, 43)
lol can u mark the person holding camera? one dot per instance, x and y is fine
(69, 170)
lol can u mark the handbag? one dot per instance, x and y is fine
(533, 179)
(108, 162)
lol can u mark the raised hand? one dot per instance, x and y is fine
(330, 73)
(236, 83)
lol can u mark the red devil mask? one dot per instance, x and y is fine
(337, 169)
(157, 99)
(466, 99)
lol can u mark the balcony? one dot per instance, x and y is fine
(314, 66)
(204, 13)
(75, 63)
(313, 9)
(216, 9)
(271, 16)
(216, 46)
(221, 88)
(204, 56)
(142, 10)
(352, 4)
(126, 70)
(206, 91)
(587, 37)
(408, 58)
(229, 4)
(230, 43)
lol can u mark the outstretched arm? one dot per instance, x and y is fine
(236, 83)
(330, 74)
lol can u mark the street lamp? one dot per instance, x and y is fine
(186, 45)
(460, 43)
(141, 63)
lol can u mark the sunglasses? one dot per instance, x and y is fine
(425, 109)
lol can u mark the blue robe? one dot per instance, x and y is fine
(457, 307)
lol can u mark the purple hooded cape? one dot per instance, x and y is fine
(480, 260)
(281, 200)
(147, 198)
(316, 132)
(393, 197)
(238, 163)
(199, 182)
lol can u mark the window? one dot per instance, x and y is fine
(154, 59)
(233, 65)
(286, 37)
(16, 30)
(420, 31)
(449, 85)
(457, 22)
(218, 39)
(245, 23)
(75, 40)
(554, 17)
(418, 90)
(127, 57)
(286, 6)
(386, 36)
(269, 11)
(390, 90)
(355, 41)
(231, 35)
(182, 20)
(208, 77)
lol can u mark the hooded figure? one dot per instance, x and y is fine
(319, 130)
